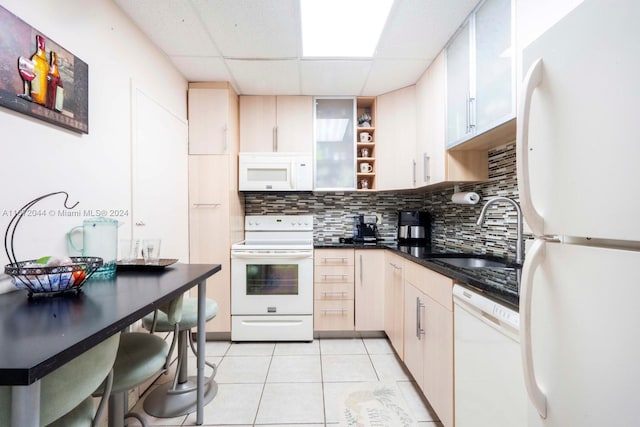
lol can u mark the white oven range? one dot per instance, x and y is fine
(272, 279)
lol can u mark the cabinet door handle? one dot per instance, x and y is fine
(467, 119)
(361, 281)
(225, 137)
(419, 330)
(427, 175)
(472, 113)
(414, 173)
(274, 138)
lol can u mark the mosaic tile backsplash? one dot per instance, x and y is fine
(453, 226)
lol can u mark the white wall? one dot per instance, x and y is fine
(37, 158)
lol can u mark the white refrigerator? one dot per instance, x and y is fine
(578, 153)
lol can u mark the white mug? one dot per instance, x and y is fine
(366, 137)
(366, 168)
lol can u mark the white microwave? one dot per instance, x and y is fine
(275, 172)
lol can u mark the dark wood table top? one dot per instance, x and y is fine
(39, 335)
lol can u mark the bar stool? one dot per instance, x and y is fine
(140, 357)
(65, 394)
(178, 397)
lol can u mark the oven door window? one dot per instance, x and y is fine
(272, 279)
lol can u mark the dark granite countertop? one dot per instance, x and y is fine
(502, 285)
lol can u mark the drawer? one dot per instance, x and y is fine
(334, 274)
(333, 315)
(333, 291)
(333, 256)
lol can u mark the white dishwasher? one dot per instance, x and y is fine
(489, 383)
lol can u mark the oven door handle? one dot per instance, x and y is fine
(279, 255)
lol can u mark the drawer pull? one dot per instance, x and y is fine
(341, 259)
(334, 310)
(339, 276)
(341, 293)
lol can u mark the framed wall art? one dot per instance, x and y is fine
(40, 78)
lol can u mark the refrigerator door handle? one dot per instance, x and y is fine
(532, 80)
(534, 258)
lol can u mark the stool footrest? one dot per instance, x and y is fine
(163, 402)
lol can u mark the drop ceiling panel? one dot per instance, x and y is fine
(173, 25)
(263, 77)
(387, 75)
(202, 69)
(333, 77)
(253, 29)
(419, 29)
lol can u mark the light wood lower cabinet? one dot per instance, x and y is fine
(333, 290)
(394, 301)
(215, 222)
(428, 336)
(369, 289)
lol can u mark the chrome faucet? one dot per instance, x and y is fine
(519, 242)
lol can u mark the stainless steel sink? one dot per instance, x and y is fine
(471, 262)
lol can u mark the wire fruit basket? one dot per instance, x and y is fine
(46, 279)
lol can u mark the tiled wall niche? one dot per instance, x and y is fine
(453, 228)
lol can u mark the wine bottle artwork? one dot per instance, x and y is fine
(41, 79)
(26, 70)
(41, 68)
(55, 91)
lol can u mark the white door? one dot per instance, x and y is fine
(584, 333)
(582, 131)
(160, 177)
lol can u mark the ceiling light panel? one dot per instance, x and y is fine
(342, 28)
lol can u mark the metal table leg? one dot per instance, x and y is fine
(202, 296)
(25, 405)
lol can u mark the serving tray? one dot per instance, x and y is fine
(139, 265)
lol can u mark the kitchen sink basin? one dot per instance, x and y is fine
(470, 262)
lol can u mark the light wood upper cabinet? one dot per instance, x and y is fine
(276, 123)
(212, 118)
(396, 139)
(480, 77)
(369, 289)
(434, 164)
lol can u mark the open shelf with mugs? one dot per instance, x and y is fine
(365, 144)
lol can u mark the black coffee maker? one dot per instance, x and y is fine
(414, 228)
(365, 229)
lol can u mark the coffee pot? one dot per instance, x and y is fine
(99, 239)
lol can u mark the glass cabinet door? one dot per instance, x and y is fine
(458, 86)
(494, 77)
(335, 144)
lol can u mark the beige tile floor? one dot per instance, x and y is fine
(296, 384)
